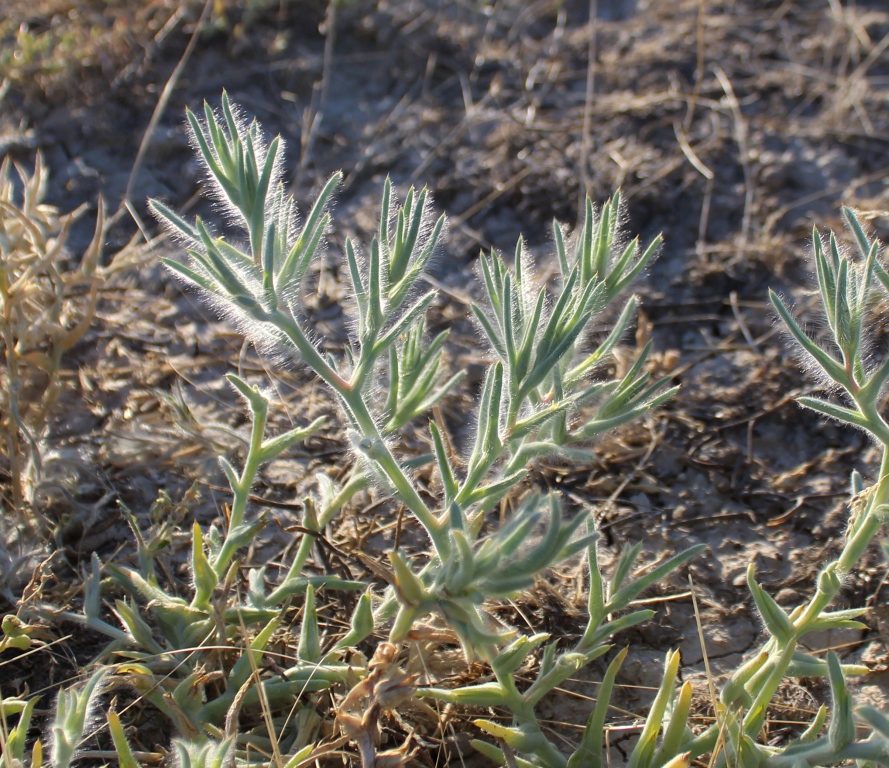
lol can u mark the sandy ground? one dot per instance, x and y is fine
(731, 127)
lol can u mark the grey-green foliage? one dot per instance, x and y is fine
(838, 732)
(607, 605)
(158, 625)
(13, 748)
(542, 396)
(73, 719)
(847, 287)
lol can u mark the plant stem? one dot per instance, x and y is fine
(241, 491)
(364, 421)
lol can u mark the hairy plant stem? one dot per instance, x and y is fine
(523, 715)
(875, 424)
(769, 677)
(241, 491)
(357, 482)
(364, 421)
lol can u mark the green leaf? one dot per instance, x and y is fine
(854, 225)
(376, 286)
(826, 278)
(309, 646)
(446, 472)
(438, 394)
(276, 446)
(763, 686)
(625, 563)
(362, 625)
(599, 426)
(488, 421)
(561, 251)
(401, 325)
(408, 586)
(629, 275)
(596, 597)
(566, 664)
(125, 756)
(137, 627)
(806, 665)
(386, 214)
(605, 348)
(488, 268)
(584, 255)
(229, 472)
(399, 291)
(220, 268)
(415, 211)
(644, 749)
(258, 402)
(205, 578)
(358, 287)
(776, 621)
(17, 737)
(596, 634)
(570, 328)
(494, 338)
(509, 333)
(677, 728)
(208, 155)
(71, 723)
(524, 739)
(243, 667)
(532, 328)
(482, 695)
(814, 729)
(629, 592)
(847, 415)
(841, 730)
(875, 719)
(513, 655)
(882, 275)
(495, 489)
(175, 222)
(534, 421)
(589, 753)
(842, 320)
(190, 275)
(493, 753)
(540, 555)
(258, 215)
(512, 536)
(736, 688)
(831, 367)
(268, 268)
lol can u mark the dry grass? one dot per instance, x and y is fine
(46, 308)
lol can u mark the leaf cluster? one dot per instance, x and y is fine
(202, 654)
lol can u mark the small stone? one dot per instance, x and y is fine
(788, 596)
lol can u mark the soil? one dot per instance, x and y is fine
(731, 126)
